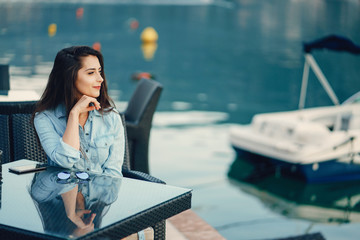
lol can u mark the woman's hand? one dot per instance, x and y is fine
(77, 216)
(78, 115)
(80, 221)
(85, 104)
(83, 225)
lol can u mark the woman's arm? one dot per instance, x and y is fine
(69, 199)
(81, 109)
(71, 134)
(61, 143)
(49, 129)
(76, 215)
(114, 162)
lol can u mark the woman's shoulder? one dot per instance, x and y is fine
(108, 112)
(57, 112)
(110, 115)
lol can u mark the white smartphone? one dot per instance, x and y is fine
(35, 167)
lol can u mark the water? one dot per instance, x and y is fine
(220, 63)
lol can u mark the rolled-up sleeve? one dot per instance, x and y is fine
(56, 149)
(113, 164)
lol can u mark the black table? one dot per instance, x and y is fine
(32, 206)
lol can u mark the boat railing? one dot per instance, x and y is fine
(310, 62)
(334, 43)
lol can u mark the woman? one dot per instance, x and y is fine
(75, 119)
(77, 123)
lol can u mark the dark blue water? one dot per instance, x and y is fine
(235, 58)
(242, 59)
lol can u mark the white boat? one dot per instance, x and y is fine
(317, 144)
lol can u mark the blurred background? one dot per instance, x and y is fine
(220, 62)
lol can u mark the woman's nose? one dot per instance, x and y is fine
(100, 78)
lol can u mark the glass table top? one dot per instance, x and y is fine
(41, 203)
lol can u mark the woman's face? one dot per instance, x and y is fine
(89, 78)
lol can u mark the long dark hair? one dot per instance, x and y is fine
(60, 88)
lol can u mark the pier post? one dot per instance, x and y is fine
(4, 77)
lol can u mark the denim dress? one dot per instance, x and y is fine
(102, 141)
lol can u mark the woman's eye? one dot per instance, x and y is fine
(90, 73)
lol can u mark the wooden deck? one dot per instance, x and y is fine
(189, 226)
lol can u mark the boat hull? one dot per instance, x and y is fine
(333, 170)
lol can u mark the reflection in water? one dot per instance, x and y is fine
(75, 208)
(149, 49)
(326, 203)
(188, 118)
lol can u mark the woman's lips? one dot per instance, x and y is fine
(97, 87)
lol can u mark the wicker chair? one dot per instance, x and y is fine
(7, 109)
(19, 141)
(138, 115)
(5, 138)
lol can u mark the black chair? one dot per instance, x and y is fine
(138, 115)
(5, 138)
(7, 109)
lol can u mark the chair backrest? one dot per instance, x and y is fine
(126, 164)
(143, 102)
(25, 141)
(138, 115)
(8, 108)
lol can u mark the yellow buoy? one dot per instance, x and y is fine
(149, 34)
(52, 30)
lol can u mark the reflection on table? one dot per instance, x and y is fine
(326, 202)
(74, 207)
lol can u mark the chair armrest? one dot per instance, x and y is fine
(131, 124)
(133, 130)
(141, 176)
